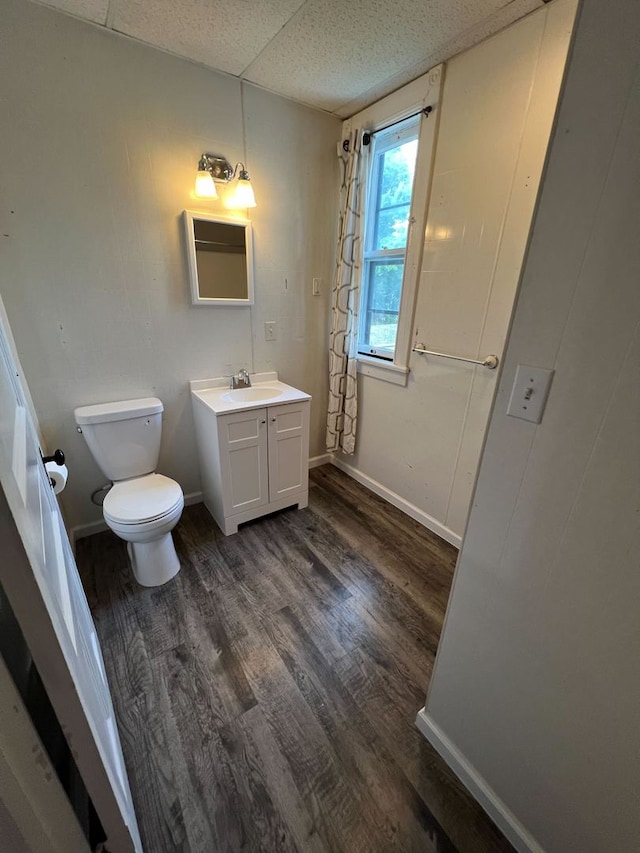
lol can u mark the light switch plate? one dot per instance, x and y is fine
(315, 286)
(529, 393)
(270, 329)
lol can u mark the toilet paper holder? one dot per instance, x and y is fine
(58, 457)
(56, 470)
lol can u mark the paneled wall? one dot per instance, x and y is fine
(420, 445)
(535, 693)
(99, 145)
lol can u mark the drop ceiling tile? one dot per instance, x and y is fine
(461, 41)
(90, 10)
(226, 36)
(333, 51)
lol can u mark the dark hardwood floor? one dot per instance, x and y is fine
(266, 696)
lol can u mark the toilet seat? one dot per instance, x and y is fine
(142, 500)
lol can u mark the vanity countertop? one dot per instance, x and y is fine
(265, 390)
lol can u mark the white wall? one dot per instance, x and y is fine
(423, 442)
(536, 686)
(99, 145)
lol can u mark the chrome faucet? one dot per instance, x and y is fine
(241, 379)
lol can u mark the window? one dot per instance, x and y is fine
(386, 227)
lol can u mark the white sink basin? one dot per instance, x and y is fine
(266, 390)
(252, 395)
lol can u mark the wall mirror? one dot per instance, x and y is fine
(219, 254)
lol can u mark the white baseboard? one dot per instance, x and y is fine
(193, 498)
(82, 530)
(315, 461)
(503, 818)
(406, 506)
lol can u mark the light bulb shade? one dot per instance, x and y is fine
(205, 188)
(242, 195)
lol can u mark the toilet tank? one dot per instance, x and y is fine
(123, 437)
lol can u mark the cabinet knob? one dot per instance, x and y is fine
(263, 421)
(273, 420)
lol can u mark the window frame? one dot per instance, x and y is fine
(404, 131)
(415, 96)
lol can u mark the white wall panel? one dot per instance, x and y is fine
(423, 442)
(99, 160)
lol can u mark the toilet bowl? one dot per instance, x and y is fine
(143, 512)
(142, 507)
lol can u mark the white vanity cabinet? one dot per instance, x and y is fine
(253, 460)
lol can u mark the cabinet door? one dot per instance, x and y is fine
(243, 460)
(288, 449)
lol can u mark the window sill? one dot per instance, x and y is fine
(385, 370)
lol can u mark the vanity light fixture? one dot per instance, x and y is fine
(205, 188)
(214, 168)
(242, 194)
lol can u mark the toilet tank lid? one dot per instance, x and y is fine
(118, 411)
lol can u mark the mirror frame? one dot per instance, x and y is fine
(188, 218)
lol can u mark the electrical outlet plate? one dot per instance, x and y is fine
(529, 393)
(270, 328)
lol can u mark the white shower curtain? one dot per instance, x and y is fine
(342, 416)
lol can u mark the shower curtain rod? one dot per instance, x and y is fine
(367, 134)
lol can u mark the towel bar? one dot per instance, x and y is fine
(491, 361)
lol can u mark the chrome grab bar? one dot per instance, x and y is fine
(491, 361)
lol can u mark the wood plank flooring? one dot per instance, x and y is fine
(266, 696)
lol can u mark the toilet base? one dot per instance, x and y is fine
(154, 563)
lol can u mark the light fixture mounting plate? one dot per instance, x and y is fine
(219, 167)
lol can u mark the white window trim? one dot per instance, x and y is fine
(423, 92)
(381, 368)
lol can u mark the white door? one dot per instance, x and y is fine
(40, 578)
(288, 449)
(243, 460)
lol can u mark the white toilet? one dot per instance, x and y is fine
(142, 507)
